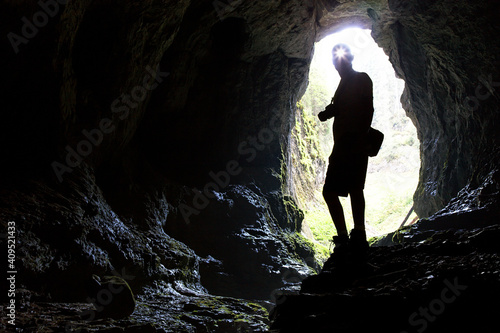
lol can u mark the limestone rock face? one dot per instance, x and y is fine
(246, 252)
(63, 239)
(127, 107)
(112, 110)
(447, 53)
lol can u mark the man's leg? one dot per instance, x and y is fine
(341, 241)
(336, 211)
(357, 242)
(358, 209)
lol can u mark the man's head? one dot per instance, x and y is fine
(342, 58)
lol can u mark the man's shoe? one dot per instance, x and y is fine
(341, 243)
(340, 253)
(358, 246)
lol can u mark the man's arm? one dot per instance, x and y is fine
(367, 93)
(366, 100)
(329, 112)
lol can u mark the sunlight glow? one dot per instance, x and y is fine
(368, 58)
(340, 53)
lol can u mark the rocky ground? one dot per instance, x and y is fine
(165, 309)
(441, 281)
(61, 246)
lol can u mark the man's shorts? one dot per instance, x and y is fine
(347, 168)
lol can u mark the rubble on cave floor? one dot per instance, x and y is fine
(158, 310)
(448, 282)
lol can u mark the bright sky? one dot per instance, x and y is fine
(359, 40)
(368, 57)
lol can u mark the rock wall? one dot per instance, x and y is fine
(129, 124)
(447, 53)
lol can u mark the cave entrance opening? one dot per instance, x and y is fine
(392, 175)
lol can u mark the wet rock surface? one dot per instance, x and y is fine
(165, 309)
(245, 251)
(63, 247)
(444, 283)
(435, 46)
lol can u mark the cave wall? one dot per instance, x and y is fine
(447, 53)
(134, 107)
(181, 98)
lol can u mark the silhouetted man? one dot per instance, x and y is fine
(352, 107)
